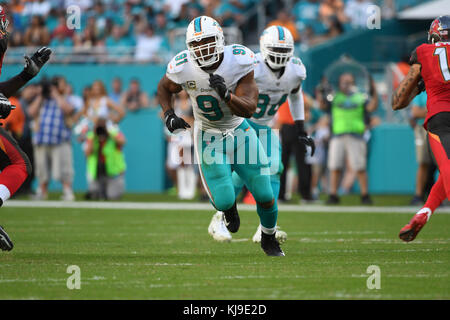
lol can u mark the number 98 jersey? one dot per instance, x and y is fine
(274, 91)
(208, 107)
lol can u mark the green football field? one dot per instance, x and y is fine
(162, 254)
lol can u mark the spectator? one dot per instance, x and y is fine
(134, 98)
(105, 162)
(118, 46)
(61, 29)
(147, 45)
(52, 138)
(37, 33)
(348, 110)
(98, 105)
(331, 9)
(116, 90)
(291, 146)
(284, 19)
(320, 124)
(423, 155)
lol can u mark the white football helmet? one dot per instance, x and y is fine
(201, 28)
(277, 46)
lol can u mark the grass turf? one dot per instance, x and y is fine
(169, 255)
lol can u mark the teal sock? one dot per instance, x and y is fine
(238, 183)
(268, 217)
(275, 183)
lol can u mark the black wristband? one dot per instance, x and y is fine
(25, 76)
(168, 113)
(300, 127)
(227, 97)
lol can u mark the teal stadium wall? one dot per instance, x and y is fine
(145, 147)
(391, 163)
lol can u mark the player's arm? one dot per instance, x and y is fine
(297, 108)
(166, 89)
(32, 67)
(407, 89)
(244, 100)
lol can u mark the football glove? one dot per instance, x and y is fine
(5, 106)
(303, 136)
(34, 64)
(173, 122)
(218, 84)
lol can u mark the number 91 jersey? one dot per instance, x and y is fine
(208, 107)
(274, 91)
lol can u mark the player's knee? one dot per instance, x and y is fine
(225, 198)
(262, 189)
(267, 205)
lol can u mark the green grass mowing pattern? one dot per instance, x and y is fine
(169, 255)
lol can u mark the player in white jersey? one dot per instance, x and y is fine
(220, 82)
(279, 76)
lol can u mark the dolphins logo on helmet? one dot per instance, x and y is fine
(205, 53)
(277, 46)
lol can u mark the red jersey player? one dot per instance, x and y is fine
(14, 164)
(430, 70)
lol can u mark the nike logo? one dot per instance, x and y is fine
(226, 222)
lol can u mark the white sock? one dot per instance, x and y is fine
(425, 210)
(268, 230)
(4, 192)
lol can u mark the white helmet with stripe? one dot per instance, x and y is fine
(205, 53)
(277, 46)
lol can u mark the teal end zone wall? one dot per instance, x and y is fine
(391, 165)
(392, 161)
(145, 147)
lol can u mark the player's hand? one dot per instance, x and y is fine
(303, 136)
(173, 122)
(218, 84)
(34, 64)
(308, 141)
(5, 106)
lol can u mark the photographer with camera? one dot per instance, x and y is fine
(52, 115)
(105, 162)
(349, 110)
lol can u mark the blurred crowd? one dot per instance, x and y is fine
(143, 30)
(48, 114)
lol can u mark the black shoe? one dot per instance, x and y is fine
(333, 199)
(365, 199)
(5, 242)
(416, 200)
(231, 219)
(270, 245)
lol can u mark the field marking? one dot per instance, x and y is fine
(208, 207)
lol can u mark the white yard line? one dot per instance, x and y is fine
(207, 207)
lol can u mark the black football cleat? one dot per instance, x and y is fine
(270, 245)
(5, 242)
(231, 219)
